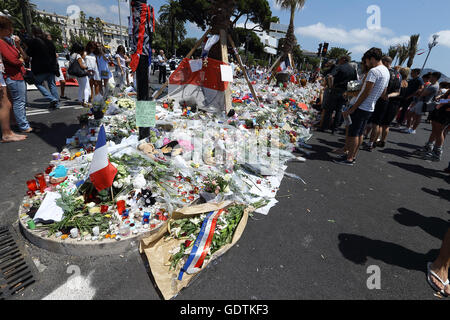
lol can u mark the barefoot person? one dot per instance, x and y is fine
(13, 58)
(5, 111)
(438, 270)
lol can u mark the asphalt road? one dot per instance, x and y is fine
(391, 210)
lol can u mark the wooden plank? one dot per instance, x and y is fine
(224, 51)
(238, 58)
(197, 44)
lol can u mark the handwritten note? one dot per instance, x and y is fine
(226, 72)
(145, 114)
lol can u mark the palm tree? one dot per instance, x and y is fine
(292, 5)
(412, 49)
(403, 54)
(392, 52)
(82, 18)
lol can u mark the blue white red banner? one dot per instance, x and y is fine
(202, 244)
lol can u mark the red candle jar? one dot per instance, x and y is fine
(120, 206)
(41, 179)
(103, 208)
(32, 185)
(49, 169)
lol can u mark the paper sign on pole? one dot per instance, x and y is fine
(226, 72)
(277, 35)
(145, 114)
(272, 42)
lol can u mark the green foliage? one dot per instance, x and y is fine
(255, 47)
(186, 45)
(336, 53)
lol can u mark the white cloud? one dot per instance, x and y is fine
(444, 38)
(275, 5)
(360, 38)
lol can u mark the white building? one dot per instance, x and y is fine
(110, 35)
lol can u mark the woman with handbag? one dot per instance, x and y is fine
(91, 62)
(13, 60)
(79, 69)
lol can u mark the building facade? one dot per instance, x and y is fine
(109, 34)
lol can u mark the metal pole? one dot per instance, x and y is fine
(426, 59)
(120, 22)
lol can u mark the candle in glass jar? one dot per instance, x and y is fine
(41, 179)
(32, 185)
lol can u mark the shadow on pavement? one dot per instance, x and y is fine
(441, 193)
(396, 152)
(47, 133)
(319, 152)
(358, 248)
(435, 227)
(429, 173)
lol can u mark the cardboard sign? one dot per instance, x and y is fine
(145, 114)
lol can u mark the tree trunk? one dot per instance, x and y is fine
(222, 11)
(290, 41)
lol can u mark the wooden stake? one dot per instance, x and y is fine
(199, 42)
(224, 50)
(238, 58)
(276, 65)
(112, 194)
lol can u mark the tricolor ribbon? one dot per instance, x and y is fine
(201, 245)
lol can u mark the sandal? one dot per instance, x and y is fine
(435, 287)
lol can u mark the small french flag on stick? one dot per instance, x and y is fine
(102, 172)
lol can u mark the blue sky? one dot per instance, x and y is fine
(342, 23)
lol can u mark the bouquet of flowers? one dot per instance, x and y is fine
(354, 86)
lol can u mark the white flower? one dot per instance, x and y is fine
(139, 181)
(227, 189)
(227, 177)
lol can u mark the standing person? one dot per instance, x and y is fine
(5, 106)
(418, 108)
(162, 62)
(393, 107)
(437, 274)
(61, 79)
(120, 75)
(440, 120)
(384, 104)
(338, 80)
(415, 85)
(44, 65)
(13, 59)
(373, 88)
(352, 96)
(84, 91)
(91, 62)
(103, 68)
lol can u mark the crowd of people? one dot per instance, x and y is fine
(376, 96)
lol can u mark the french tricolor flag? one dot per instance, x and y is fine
(284, 65)
(102, 172)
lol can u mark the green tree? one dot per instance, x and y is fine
(292, 6)
(403, 54)
(218, 14)
(186, 45)
(16, 11)
(412, 49)
(392, 52)
(90, 24)
(336, 53)
(255, 11)
(82, 19)
(173, 27)
(250, 40)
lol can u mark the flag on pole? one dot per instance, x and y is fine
(102, 172)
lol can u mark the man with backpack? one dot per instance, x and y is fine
(384, 105)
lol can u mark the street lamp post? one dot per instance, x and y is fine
(431, 45)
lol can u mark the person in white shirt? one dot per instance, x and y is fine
(162, 62)
(374, 87)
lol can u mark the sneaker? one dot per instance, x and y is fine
(381, 144)
(344, 162)
(411, 131)
(405, 130)
(369, 147)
